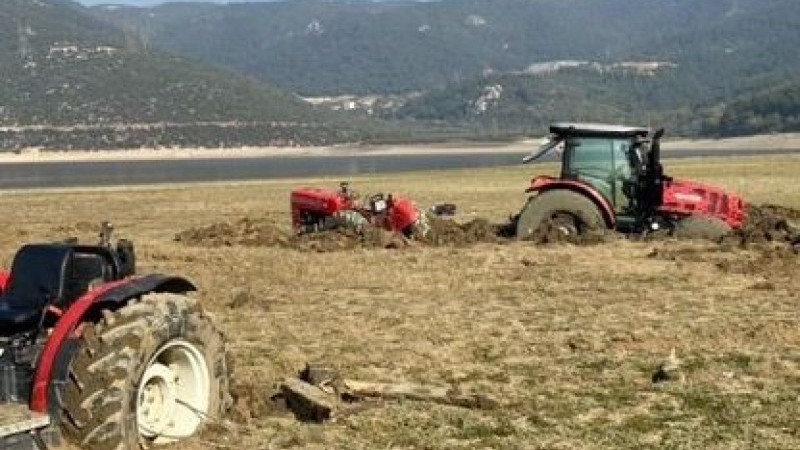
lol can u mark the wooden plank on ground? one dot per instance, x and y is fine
(307, 401)
(418, 392)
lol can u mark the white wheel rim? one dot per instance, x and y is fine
(173, 395)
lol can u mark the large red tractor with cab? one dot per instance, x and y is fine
(318, 209)
(98, 356)
(612, 178)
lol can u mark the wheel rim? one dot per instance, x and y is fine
(173, 394)
(565, 224)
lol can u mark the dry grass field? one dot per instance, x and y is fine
(565, 337)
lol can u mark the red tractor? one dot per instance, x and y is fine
(318, 209)
(612, 178)
(106, 359)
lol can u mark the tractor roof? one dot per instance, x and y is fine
(597, 129)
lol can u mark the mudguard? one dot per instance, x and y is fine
(544, 183)
(109, 295)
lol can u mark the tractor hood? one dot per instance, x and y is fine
(685, 198)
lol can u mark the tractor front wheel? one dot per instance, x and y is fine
(569, 212)
(700, 227)
(150, 373)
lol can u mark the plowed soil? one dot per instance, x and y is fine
(770, 223)
(246, 232)
(765, 223)
(444, 232)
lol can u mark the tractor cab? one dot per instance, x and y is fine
(611, 159)
(611, 177)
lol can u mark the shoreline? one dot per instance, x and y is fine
(787, 141)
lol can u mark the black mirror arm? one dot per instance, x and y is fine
(543, 150)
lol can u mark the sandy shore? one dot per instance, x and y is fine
(788, 141)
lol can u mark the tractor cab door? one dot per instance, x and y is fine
(603, 163)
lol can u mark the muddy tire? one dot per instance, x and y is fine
(573, 213)
(698, 227)
(150, 373)
(419, 230)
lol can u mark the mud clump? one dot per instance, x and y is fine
(550, 233)
(245, 232)
(442, 232)
(768, 223)
(265, 233)
(450, 232)
(347, 239)
(767, 246)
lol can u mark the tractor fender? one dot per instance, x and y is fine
(544, 183)
(402, 214)
(115, 293)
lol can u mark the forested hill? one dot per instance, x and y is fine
(111, 76)
(66, 75)
(327, 48)
(682, 63)
(774, 109)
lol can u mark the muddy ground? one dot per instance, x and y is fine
(566, 337)
(765, 224)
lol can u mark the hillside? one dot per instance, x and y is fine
(526, 103)
(349, 47)
(71, 80)
(452, 51)
(328, 48)
(775, 109)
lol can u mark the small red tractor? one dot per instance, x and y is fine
(317, 209)
(612, 178)
(93, 354)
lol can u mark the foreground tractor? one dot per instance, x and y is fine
(318, 209)
(612, 178)
(95, 355)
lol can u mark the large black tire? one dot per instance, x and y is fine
(554, 205)
(700, 227)
(106, 385)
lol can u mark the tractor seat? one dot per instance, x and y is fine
(86, 271)
(37, 280)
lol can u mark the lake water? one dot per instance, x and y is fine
(121, 173)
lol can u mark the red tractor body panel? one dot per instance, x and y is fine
(545, 183)
(688, 198)
(402, 214)
(5, 277)
(318, 201)
(312, 205)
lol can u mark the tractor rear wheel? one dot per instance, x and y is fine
(150, 373)
(700, 227)
(569, 212)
